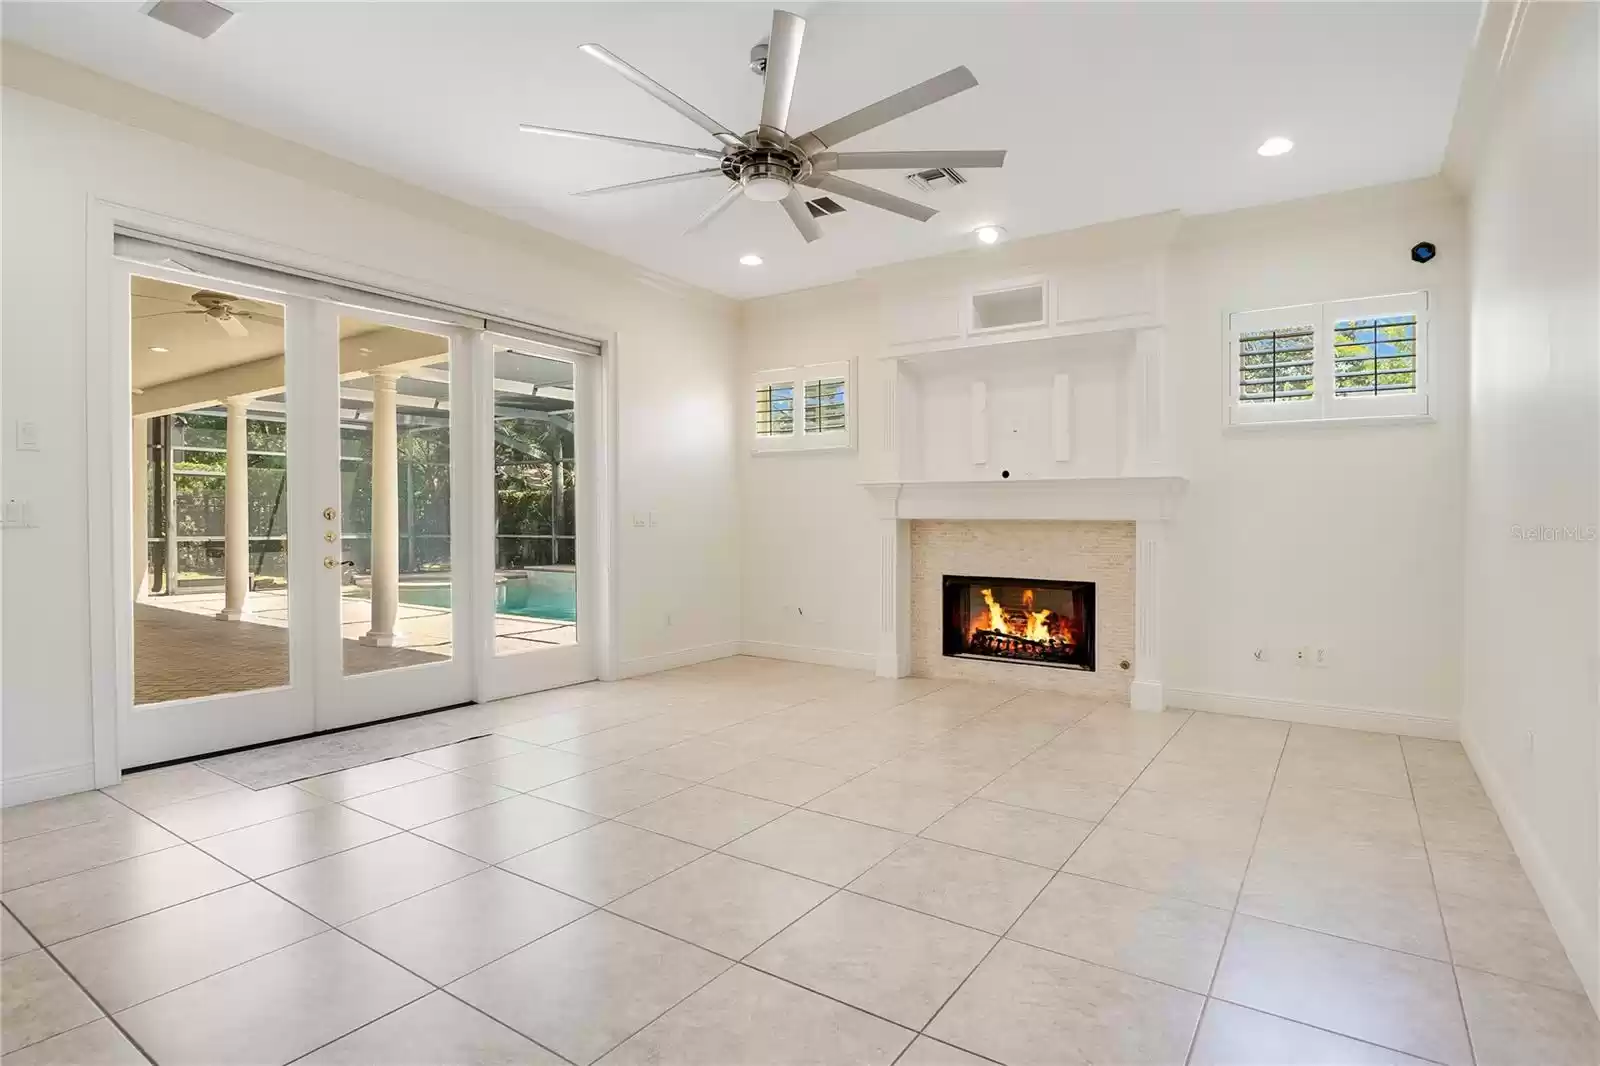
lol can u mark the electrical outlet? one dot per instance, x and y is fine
(1320, 657)
(1259, 654)
(1302, 656)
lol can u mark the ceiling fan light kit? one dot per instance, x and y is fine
(768, 165)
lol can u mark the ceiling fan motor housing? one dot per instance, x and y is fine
(767, 171)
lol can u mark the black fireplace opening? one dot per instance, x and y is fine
(1020, 620)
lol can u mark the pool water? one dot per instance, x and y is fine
(556, 602)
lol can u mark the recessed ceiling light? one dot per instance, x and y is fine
(751, 260)
(988, 234)
(163, 350)
(1275, 146)
(365, 351)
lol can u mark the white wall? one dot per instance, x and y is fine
(1532, 630)
(810, 550)
(1347, 538)
(673, 367)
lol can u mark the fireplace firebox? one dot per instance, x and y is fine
(1050, 623)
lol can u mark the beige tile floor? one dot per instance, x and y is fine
(753, 862)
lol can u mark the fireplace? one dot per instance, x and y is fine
(1050, 623)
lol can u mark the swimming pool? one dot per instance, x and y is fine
(550, 594)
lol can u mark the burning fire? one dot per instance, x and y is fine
(1039, 626)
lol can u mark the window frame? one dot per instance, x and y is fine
(799, 438)
(1325, 406)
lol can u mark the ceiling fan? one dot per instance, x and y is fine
(771, 166)
(218, 307)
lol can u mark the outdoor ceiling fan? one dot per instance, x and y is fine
(218, 307)
(770, 166)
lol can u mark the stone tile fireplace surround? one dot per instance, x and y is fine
(1111, 531)
(1101, 552)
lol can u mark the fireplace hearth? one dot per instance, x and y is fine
(1018, 620)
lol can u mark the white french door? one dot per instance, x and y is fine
(340, 514)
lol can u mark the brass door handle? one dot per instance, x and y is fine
(329, 562)
(329, 513)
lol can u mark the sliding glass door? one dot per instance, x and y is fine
(393, 418)
(338, 514)
(540, 517)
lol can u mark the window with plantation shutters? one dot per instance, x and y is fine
(803, 408)
(775, 409)
(1345, 360)
(1275, 365)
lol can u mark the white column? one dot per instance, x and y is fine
(894, 598)
(385, 513)
(140, 526)
(1145, 693)
(236, 514)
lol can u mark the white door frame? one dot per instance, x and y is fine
(108, 410)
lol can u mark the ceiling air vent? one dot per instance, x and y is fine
(823, 206)
(197, 18)
(938, 178)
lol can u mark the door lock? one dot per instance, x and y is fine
(330, 536)
(329, 513)
(329, 562)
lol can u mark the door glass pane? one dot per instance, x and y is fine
(536, 503)
(210, 493)
(394, 466)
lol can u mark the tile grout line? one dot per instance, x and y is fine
(107, 1015)
(923, 1031)
(1233, 913)
(1433, 883)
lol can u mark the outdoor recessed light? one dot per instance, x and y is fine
(751, 260)
(988, 234)
(1275, 146)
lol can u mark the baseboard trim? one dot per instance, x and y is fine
(671, 660)
(799, 653)
(1580, 939)
(1370, 719)
(47, 784)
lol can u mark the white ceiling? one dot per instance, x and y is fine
(1108, 110)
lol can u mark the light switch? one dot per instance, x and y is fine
(18, 515)
(27, 436)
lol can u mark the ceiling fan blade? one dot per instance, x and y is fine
(579, 135)
(664, 94)
(670, 179)
(868, 195)
(259, 316)
(888, 109)
(906, 160)
(723, 203)
(232, 326)
(164, 314)
(795, 206)
(783, 63)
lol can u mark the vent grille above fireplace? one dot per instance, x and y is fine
(1049, 623)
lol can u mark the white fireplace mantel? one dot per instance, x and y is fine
(1064, 499)
(1147, 501)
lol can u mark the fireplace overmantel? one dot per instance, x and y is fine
(1148, 501)
(1143, 498)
